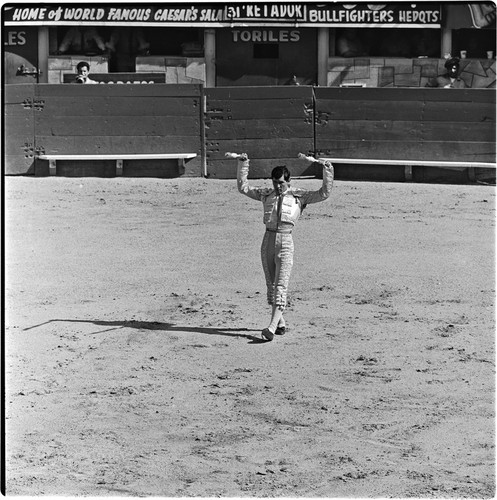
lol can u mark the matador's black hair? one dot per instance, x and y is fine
(279, 171)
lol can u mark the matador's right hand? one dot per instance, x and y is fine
(239, 156)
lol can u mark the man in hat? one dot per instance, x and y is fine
(451, 79)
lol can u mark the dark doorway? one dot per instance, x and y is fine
(266, 56)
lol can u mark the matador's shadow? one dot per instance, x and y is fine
(156, 325)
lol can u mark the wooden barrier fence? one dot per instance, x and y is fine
(410, 126)
(19, 129)
(271, 124)
(106, 120)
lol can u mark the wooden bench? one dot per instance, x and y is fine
(408, 164)
(180, 157)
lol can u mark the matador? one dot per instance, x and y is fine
(282, 205)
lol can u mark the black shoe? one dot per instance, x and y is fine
(281, 330)
(267, 334)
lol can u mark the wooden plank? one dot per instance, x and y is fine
(120, 157)
(14, 94)
(459, 111)
(398, 110)
(156, 90)
(18, 133)
(411, 163)
(260, 93)
(138, 106)
(123, 144)
(117, 125)
(260, 148)
(23, 108)
(484, 96)
(407, 130)
(405, 94)
(386, 130)
(259, 109)
(458, 131)
(436, 151)
(258, 129)
(361, 109)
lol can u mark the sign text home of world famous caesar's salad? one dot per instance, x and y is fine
(228, 15)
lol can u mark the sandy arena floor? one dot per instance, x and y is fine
(134, 364)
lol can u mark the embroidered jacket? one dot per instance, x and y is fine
(293, 201)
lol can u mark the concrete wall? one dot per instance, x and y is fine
(404, 72)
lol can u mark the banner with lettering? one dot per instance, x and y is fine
(234, 14)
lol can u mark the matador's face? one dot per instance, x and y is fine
(281, 185)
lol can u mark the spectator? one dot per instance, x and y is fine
(83, 69)
(451, 79)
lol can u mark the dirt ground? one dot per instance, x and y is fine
(134, 364)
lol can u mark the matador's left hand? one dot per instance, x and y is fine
(235, 156)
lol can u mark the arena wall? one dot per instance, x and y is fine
(404, 124)
(19, 132)
(272, 124)
(108, 119)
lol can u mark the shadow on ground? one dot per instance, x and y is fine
(160, 326)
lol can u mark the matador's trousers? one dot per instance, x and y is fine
(277, 262)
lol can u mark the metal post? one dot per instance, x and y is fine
(210, 57)
(323, 54)
(446, 47)
(43, 48)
